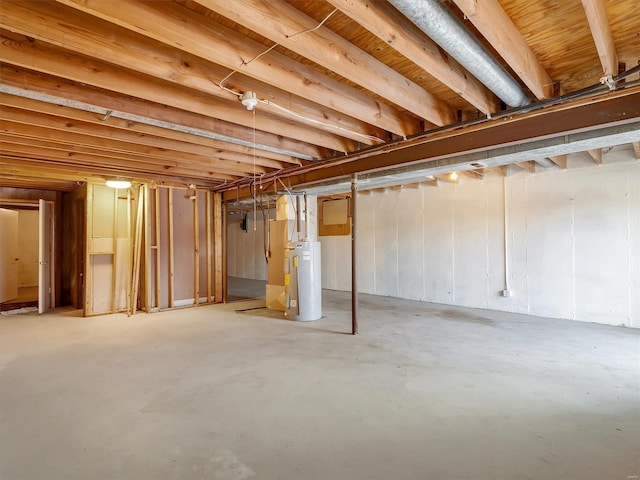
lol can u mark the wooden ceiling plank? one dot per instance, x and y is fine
(69, 28)
(34, 112)
(60, 128)
(108, 145)
(559, 160)
(25, 167)
(596, 155)
(23, 144)
(48, 59)
(280, 22)
(401, 34)
(57, 87)
(205, 38)
(529, 166)
(496, 26)
(116, 165)
(596, 12)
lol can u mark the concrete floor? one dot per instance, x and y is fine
(425, 392)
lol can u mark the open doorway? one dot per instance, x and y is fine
(27, 260)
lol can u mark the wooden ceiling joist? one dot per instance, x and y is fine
(496, 26)
(21, 167)
(116, 165)
(33, 112)
(397, 31)
(16, 130)
(57, 87)
(52, 61)
(86, 35)
(50, 127)
(559, 160)
(283, 23)
(165, 21)
(596, 155)
(596, 11)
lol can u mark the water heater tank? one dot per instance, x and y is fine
(303, 281)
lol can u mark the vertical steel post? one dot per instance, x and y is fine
(354, 263)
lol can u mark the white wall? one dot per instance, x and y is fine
(573, 243)
(28, 233)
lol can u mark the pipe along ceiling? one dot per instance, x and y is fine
(442, 27)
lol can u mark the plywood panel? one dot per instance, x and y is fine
(386, 246)
(184, 245)
(102, 215)
(202, 242)
(8, 254)
(550, 264)
(601, 252)
(164, 246)
(233, 226)
(410, 245)
(100, 270)
(438, 243)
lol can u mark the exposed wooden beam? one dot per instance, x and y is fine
(475, 174)
(280, 22)
(81, 158)
(596, 155)
(126, 152)
(559, 160)
(39, 169)
(76, 91)
(45, 127)
(529, 166)
(34, 112)
(442, 149)
(79, 32)
(596, 11)
(496, 26)
(401, 34)
(51, 60)
(205, 38)
(636, 149)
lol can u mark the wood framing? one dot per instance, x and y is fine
(596, 12)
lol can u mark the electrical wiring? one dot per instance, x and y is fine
(287, 110)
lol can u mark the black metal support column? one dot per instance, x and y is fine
(354, 263)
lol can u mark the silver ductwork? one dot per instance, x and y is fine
(437, 22)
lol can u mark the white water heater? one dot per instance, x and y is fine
(303, 281)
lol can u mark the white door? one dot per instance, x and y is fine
(8, 255)
(45, 244)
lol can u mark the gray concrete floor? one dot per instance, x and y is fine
(425, 392)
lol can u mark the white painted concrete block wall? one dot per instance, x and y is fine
(573, 243)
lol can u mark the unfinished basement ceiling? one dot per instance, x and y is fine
(152, 90)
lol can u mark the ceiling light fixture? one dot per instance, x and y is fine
(453, 176)
(249, 99)
(118, 183)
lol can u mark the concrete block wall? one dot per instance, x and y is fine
(573, 243)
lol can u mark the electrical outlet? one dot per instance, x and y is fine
(506, 293)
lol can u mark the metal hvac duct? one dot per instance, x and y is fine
(437, 22)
